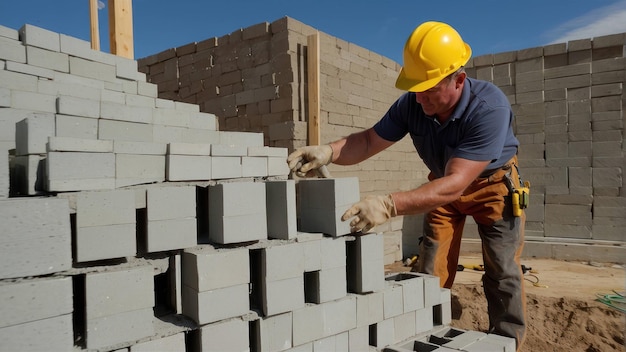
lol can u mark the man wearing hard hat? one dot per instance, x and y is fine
(462, 130)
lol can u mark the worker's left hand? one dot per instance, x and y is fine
(370, 212)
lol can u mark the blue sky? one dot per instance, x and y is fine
(382, 26)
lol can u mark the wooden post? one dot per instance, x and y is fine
(313, 79)
(93, 17)
(121, 28)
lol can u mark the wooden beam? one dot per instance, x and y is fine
(93, 19)
(121, 28)
(313, 79)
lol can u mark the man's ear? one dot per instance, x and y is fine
(460, 78)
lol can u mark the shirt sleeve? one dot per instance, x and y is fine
(393, 125)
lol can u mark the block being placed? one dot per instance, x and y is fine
(105, 225)
(323, 201)
(237, 212)
(281, 209)
(36, 237)
(365, 261)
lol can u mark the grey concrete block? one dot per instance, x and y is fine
(36, 237)
(312, 250)
(36, 299)
(171, 117)
(272, 333)
(125, 68)
(125, 131)
(277, 166)
(238, 228)
(358, 339)
(136, 169)
(19, 81)
(181, 148)
(167, 203)
(5, 97)
(228, 335)
(118, 291)
(105, 208)
(92, 69)
(76, 127)
(206, 269)
(322, 202)
(333, 252)
(123, 112)
(33, 101)
(281, 209)
(199, 136)
(268, 151)
(39, 37)
(281, 296)
(172, 343)
(187, 167)
(105, 242)
(143, 148)
(29, 70)
(226, 167)
(228, 150)
(326, 285)
(62, 175)
(69, 144)
(147, 89)
(9, 33)
(282, 261)
(248, 139)
(211, 306)
(12, 51)
(82, 49)
(126, 327)
(392, 300)
(52, 334)
(253, 167)
(187, 107)
(164, 235)
(340, 315)
(369, 308)
(51, 60)
(68, 105)
(424, 320)
(58, 87)
(203, 120)
(308, 324)
(365, 263)
(139, 100)
(404, 326)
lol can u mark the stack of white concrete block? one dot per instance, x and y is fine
(145, 228)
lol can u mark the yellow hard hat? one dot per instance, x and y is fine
(433, 51)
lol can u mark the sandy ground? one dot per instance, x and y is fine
(563, 314)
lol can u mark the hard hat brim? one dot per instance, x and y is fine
(405, 83)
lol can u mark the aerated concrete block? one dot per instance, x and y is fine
(365, 262)
(126, 327)
(172, 343)
(369, 308)
(253, 166)
(51, 334)
(76, 127)
(125, 131)
(323, 201)
(136, 169)
(35, 299)
(281, 296)
(105, 225)
(308, 324)
(4, 174)
(39, 37)
(188, 167)
(326, 285)
(228, 335)
(272, 333)
(207, 307)
(36, 237)
(206, 269)
(225, 167)
(281, 209)
(45, 58)
(63, 175)
(237, 212)
(12, 51)
(69, 105)
(31, 134)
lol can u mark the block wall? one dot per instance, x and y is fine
(131, 223)
(568, 100)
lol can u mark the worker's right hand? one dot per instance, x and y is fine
(309, 158)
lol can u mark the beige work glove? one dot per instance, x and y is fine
(370, 212)
(311, 158)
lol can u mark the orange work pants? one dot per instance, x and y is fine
(488, 201)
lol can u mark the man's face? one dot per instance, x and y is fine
(441, 99)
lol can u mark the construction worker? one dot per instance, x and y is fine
(462, 129)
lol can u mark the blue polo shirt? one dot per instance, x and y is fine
(480, 128)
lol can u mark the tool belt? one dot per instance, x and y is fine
(520, 196)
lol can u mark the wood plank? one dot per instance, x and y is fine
(313, 78)
(93, 20)
(121, 28)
